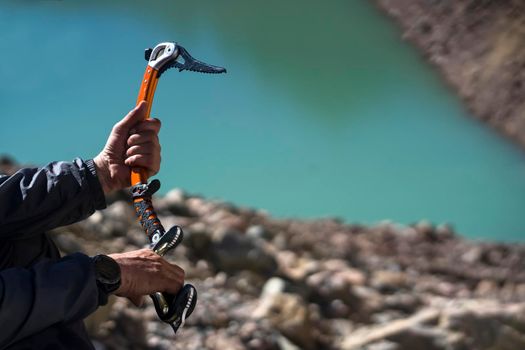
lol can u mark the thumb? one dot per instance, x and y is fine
(134, 116)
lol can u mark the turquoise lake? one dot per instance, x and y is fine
(324, 112)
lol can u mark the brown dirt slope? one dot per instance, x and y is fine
(479, 46)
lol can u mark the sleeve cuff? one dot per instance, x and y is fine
(94, 183)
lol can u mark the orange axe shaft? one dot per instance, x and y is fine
(146, 93)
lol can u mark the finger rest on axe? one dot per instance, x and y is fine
(174, 309)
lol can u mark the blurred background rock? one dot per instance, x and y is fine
(265, 283)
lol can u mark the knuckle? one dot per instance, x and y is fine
(180, 271)
(157, 267)
(117, 128)
(133, 139)
(155, 123)
(151, 253)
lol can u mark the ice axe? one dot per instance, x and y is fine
(172, 309)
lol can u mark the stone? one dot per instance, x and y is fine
(175, 196)
(175, 202)
(68, 243)
(285, 344)
(117, 218)
(421, 337)
(247, 282)
(273, 286)
(385, 280)
(383, 345)
(472, 255)
(197, 238)
(486, 288)
(220, 340)
(445, 231)
(294, 267)
(424, 227)
(137, 237)
(258, 231)
(199, 206)
(405, 302)
(234, 251)
(369, 335)
(338, 309)
(289, 314)
(487, 324)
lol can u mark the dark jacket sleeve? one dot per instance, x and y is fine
(35, 200)
(32, 201)
(48, 293)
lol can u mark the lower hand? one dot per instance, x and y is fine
(143, 272)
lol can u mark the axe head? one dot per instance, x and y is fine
(172, 55)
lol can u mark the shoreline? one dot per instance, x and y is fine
(477, 49)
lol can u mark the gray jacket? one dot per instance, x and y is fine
(44, 298)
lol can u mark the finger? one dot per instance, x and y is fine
(137, 300)
(132, 118)
(173, 277)
(173, 285)
(177, 275)
(147, 125)
(144, 137)
(179, 272)
(148, 149)
(150, 162)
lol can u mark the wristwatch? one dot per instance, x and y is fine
(107, 274)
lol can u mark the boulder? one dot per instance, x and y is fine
(286, 312)
(232, 251)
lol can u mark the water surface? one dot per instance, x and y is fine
(324, 110)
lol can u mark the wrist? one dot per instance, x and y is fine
(124, 286)
(108, 276)
(103, 174)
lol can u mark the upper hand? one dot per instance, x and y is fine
(133, 142)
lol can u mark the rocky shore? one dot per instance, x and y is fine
(268, 284)
(478, 46)
(288, 284)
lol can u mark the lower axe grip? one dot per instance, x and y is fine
(173, 309)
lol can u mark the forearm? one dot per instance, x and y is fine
(103, 174)
(35, 200)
